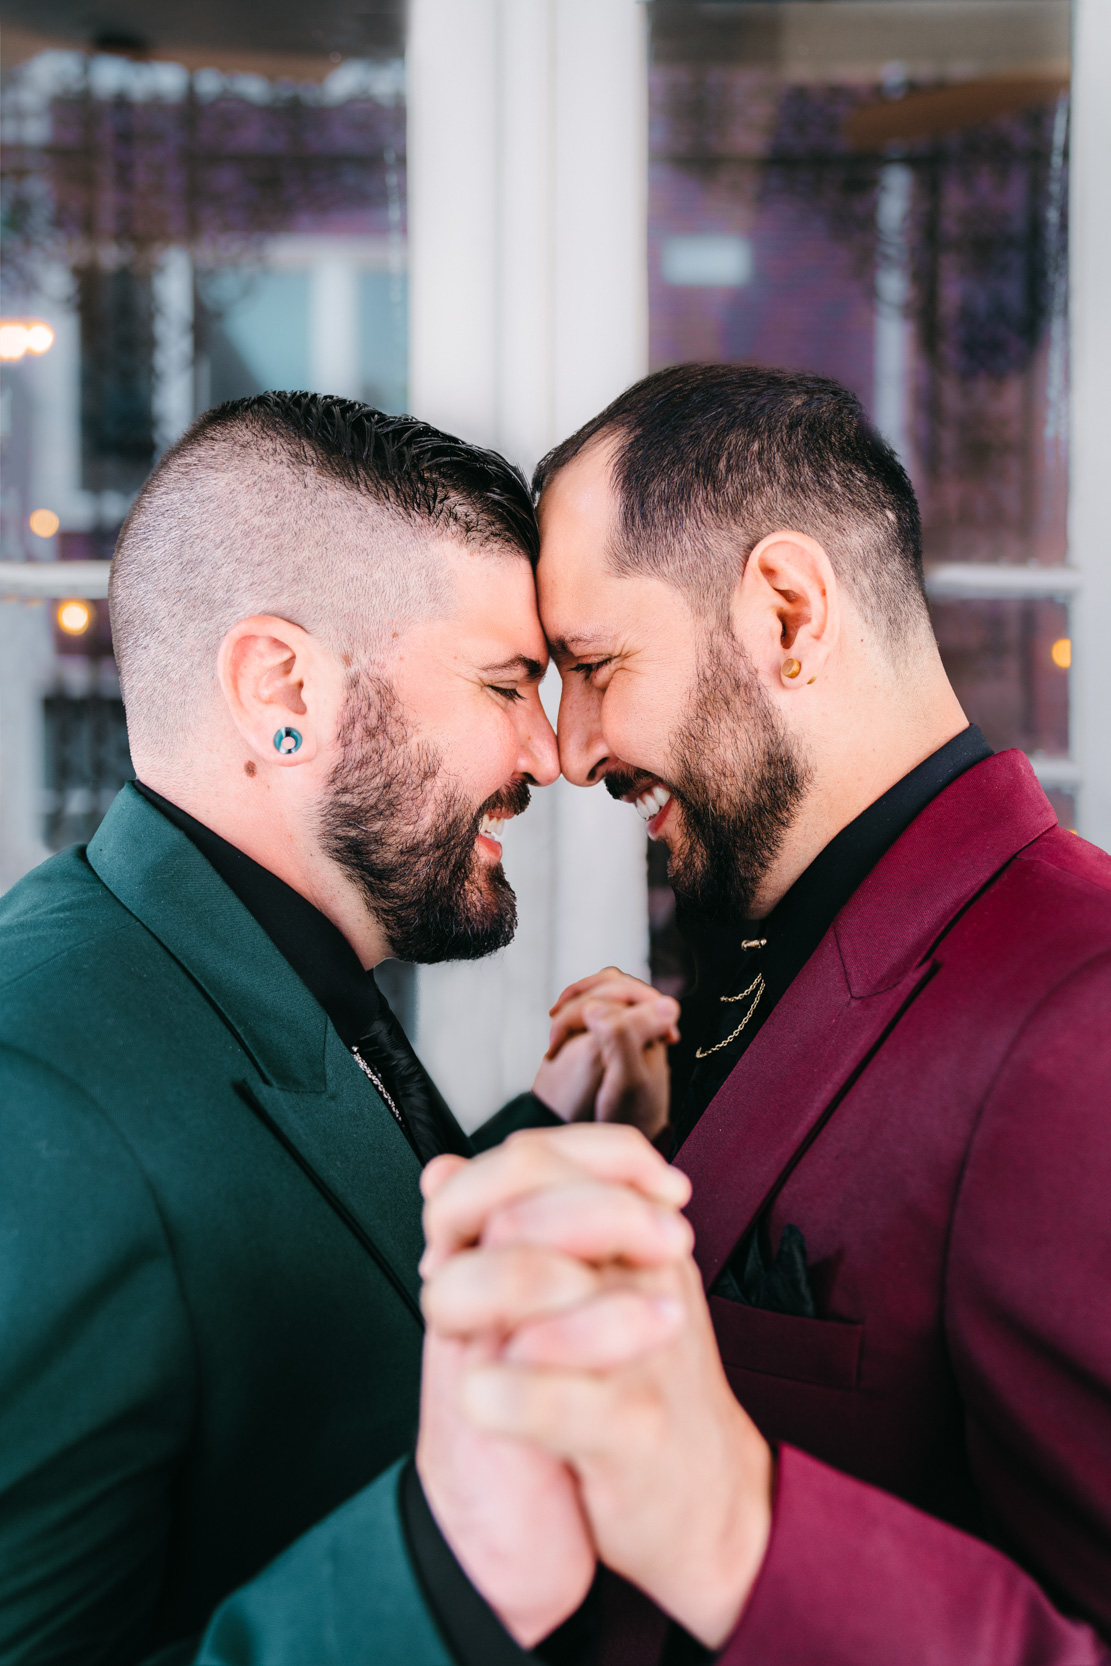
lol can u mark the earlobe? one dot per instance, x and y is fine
(792, 585)
(263, 668)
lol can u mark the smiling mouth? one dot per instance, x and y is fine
(493, 823)
(651, 802)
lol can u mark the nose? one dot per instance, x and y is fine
(583, 754)
(539, 750)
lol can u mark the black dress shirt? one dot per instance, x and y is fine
(760, 1274)
(792, 931)
(332, 972)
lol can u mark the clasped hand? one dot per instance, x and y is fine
(574, 1407)
(607, 1052)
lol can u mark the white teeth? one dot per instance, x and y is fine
(652, 801)
(492, 825)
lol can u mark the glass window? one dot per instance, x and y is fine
(255, 332)
(877, 192)
(188, 236)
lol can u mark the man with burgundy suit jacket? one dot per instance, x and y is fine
(893, 1102)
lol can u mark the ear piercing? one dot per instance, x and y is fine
(791, 667)
(287, 741)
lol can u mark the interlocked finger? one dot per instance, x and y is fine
(567, 1413)
(595, 1221)
(455, 1213)
(619, 992)
(610, 1330)
(493, 1290)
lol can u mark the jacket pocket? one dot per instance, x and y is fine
(824, 1352)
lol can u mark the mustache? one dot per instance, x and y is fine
(621, 782)
(513, 799)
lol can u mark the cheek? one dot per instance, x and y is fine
(638, 719)
(487, 754)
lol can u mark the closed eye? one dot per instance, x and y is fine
(507, 693)
(587, 669)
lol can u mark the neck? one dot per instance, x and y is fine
(859, 760)
(273, 831)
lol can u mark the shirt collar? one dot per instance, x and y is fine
(315, 948)
(807, 910)
(825, 887)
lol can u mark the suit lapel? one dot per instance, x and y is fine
(351, 1148)
(788, 1082)
(876, 957)
(309, 1091)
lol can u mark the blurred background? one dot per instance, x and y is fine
(498, 213)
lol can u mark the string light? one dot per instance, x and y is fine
(24, 335)
(74, 617)
(1061, 653)
(43, 523)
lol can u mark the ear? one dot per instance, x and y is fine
(275, 676)
(787, 609)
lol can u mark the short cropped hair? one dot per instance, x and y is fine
(710, 458)
(316, 509)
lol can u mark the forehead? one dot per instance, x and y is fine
(493, 599)
(578, 515)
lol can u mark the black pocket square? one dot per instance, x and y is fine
(779, 1285)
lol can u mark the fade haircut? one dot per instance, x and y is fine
(708, 459)
(316, 509)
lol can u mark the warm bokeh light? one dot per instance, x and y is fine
(43, 523)
(13, 340)
(40, 337)
(1061, 653)
(75, 617)
(24, 335)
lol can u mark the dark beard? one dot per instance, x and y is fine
(409, 846)
(739, 781)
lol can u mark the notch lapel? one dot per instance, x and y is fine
(349, 1145)
(799, 1067)
(309, 1091)
(876, 957)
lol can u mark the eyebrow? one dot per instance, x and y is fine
(577, 644)
(530, 669)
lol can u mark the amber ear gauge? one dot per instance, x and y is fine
(791, 667)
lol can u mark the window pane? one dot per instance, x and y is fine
(877, 192)
(189, 237)
(1008, 661)
(256, 332)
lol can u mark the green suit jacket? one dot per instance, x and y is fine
(209, 1324)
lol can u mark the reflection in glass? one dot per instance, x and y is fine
(878, 192)
(1001, 661)
(190, 237)
(897, 180)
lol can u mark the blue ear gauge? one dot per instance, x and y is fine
(287, 741)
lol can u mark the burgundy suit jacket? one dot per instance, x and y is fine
(930, 1103)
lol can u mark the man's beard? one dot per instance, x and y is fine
(409, 843)
(738, 780)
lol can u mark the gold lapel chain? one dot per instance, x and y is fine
(377, 1080)
(757, 984)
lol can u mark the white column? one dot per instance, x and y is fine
(172, 287)
(54, 382)
(453, 78)
(1090, 438)
(528, 313)
(334, 326)
(891, 344)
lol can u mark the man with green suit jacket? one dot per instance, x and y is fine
(212, 1128)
